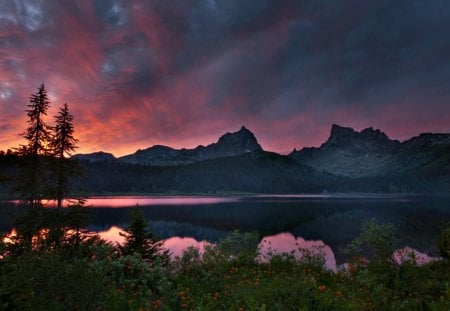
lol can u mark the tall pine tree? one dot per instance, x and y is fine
(31, 186)
(63, 143)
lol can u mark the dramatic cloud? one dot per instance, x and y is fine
(181, 73)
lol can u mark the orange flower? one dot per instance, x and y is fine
(322, 288)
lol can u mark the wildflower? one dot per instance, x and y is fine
(322, 288)
(157, 303)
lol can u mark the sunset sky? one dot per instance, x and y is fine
(183, 72)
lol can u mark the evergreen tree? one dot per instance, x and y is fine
(76, 220)
(63, 143)
(139, 240)
(32, 182)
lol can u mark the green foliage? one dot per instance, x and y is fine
(243, 246)
(130, 278)
(48, 281)
(377, 241)
(139, 240)
(95, 275)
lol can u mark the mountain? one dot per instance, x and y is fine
(351, 153)
(230, 144)
(95, 156)
(349, 161)
(372, 153)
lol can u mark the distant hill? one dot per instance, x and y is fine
(95, 156)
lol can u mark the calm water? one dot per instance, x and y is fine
(285, 223)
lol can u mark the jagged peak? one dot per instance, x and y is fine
(374, 134)
(243, 140)
(367, 132)
(347, 136)
(339, 133)
(243, 132)
(336, 128)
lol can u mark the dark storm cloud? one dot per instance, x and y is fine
(183, 72)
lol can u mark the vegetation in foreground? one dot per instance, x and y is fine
(66, 268)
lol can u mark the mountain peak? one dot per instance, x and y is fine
(336, 128)
(230, 144)
(367, 139)
(238, 142)
(340, 135)
(243, 130)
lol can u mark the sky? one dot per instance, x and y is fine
(183, 72)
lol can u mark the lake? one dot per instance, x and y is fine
(284, 222)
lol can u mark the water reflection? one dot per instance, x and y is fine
(177, 245)
(274, 244)
(298, 247)
(282, 243)
(112, 235)
(407, 254)
(333, 219)
(131, 201)
(128, 201)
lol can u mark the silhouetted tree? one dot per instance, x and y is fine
(76, 220)
(63, 143)
(31, 184)
(139, 240)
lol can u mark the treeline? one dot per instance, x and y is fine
(257, 172)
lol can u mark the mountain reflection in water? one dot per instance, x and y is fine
(275, 244)
(282, 243)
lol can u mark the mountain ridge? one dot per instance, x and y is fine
(371, 152)
(348, 161)
(229, 144)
